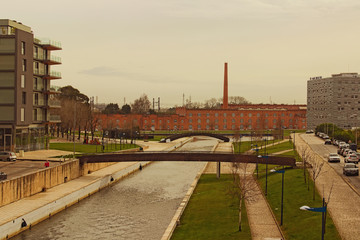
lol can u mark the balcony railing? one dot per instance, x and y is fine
(55, 118)
(49, 44)
(54, 103)
(55, 74)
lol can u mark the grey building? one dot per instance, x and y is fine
(335, 99)
(26, 96)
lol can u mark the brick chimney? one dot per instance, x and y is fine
(225, 97)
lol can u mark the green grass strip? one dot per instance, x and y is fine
(212, 213)
(298, 224)
(89, 148)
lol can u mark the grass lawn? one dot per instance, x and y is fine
(212, 213)
(89, 148)
(298, 224)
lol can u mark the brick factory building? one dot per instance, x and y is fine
(228, 117)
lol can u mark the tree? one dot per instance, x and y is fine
(126, 109)
(111, 108)
(238, 100)
(305, 155)
(141, 105)
(212, 103)
(243, 187)
(315, 170)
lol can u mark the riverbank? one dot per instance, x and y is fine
(45, 204)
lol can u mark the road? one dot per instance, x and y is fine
(318, 146)
(20, 167)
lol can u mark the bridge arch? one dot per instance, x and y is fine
(191, 134)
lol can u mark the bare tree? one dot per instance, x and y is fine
(305, 155)
(141, 105)
(316, 169)
(243, 186)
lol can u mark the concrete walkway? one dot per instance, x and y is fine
(344, 202)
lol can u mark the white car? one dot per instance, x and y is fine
(351, 158)
(7, 156)
(333, 157)
(350, 169)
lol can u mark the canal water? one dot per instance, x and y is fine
(138, 207)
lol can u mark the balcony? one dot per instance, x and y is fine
(54, 103)
(53, 75)
(49, 44)
(54, 90)
(52, 60)
(55, 118)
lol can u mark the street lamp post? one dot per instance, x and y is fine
(323, 211)
(257, 168)
(282, 192)
(74, 128)
(266, 171)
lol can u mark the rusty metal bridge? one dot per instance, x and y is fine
(187, 156)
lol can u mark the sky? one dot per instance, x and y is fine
(119, 49)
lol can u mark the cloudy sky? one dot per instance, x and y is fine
(117, 49)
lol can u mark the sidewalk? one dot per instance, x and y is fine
(31, 207)
(344, 202)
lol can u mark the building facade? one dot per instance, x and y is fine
(241, 117)
(335, 99)
(26, 96)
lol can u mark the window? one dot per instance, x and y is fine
(233, 115)
(190, 120)
(22, 116)
(224, 114)
(258, 115)
(23, 48)
(241, 114)
(199, 114)
(224, 126)
(190, 127)
(199, 126)
(233, 120)
(175, 120)
(250, 114)
(207, 114)
(190, 114)
(152, 120)
(249, 120)
(23, 98)
(207, 120)
(224, 120)
(22, 81)
(24, 65)
(216, 114)
(274, 114)
(199, 120)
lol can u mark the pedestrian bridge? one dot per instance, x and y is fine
(191, 134)
(187, 156)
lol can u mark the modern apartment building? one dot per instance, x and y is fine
(335, 99)
(26, 96)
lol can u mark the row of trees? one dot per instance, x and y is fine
(215, 103)
(336, 133)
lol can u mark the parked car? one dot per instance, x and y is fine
(325, 136)
(346, 152)
(309, 131)
(351, 158)
(333, 157)
(350, 169)
(7, 156)
(3, 176)
(341, 144)
(327, 141)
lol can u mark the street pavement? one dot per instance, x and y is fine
(344, 201)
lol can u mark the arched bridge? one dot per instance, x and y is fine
(187, 156)
(191, 134)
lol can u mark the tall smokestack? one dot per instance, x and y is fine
(225, 97)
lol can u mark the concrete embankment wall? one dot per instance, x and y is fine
(13, 227)
(33, 183)
(27, 185)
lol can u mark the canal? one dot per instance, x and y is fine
(139, 207)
